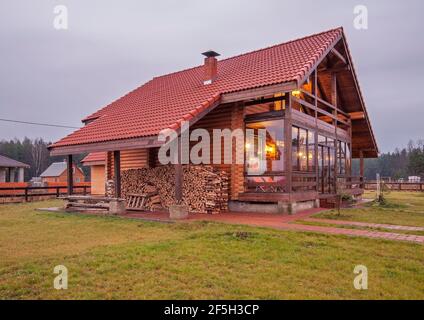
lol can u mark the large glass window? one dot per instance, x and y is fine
(311, 150)
(303, 149)
(343, 157)
(295, 148)
(348, 159)
(264, 147)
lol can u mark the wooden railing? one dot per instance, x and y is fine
(396, 186)
(265, 183)
(350, 182)
(28, 192)
(304, 181)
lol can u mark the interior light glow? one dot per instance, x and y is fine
(296, 93)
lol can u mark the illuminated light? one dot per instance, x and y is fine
(310, 156)
(248, 146)
(300, 154)
(269, 149)
(296, 93)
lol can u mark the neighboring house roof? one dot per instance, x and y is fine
(6, 162)
(166, 101)
(55, 169)
(95, 158)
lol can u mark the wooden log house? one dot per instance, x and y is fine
(304, 93)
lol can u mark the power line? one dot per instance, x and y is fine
(39, 124)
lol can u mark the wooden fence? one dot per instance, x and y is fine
(396, 186)
(27, 193)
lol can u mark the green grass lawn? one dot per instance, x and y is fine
(402, 208)
(113, 258)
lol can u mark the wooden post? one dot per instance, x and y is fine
(179, 183)
(179, 179)
(152, 157)
(361, 166)
(117, 172)
(70, 176)
(288, 143)
(335, 123)
(315, 93)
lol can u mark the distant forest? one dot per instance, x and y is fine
(35, 154)
(401, 163)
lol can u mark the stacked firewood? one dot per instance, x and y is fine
(110, 188)
(205, 190)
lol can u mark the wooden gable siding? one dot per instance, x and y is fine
(130, 159)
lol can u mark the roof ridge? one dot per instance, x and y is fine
(254, 51)
(282, 43)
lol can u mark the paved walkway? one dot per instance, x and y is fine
(356, 232)
(283, 222)
(365, 224)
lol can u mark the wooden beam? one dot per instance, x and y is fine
(334, 69)
(117, 172)
(126, 144)
(357, 116)
(316, 151)
(339, 55)
(258, 92)
(153, 154)
(288, 143)
(179, 183)
(335, 123)
(327, 115)
(264, 116)
(263, 100)
(70, 177)
(179, 176)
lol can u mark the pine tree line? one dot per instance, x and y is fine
(401, 163)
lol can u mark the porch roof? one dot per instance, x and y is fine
(6, 162)
(94, 158)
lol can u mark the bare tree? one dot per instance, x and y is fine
(38, 153)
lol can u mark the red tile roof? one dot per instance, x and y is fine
(165, 101)
(95, 157)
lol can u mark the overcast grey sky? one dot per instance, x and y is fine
(111, 47)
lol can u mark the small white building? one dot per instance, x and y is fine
(11, 170)
(414, 179)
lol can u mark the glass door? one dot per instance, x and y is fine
(326, 165)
